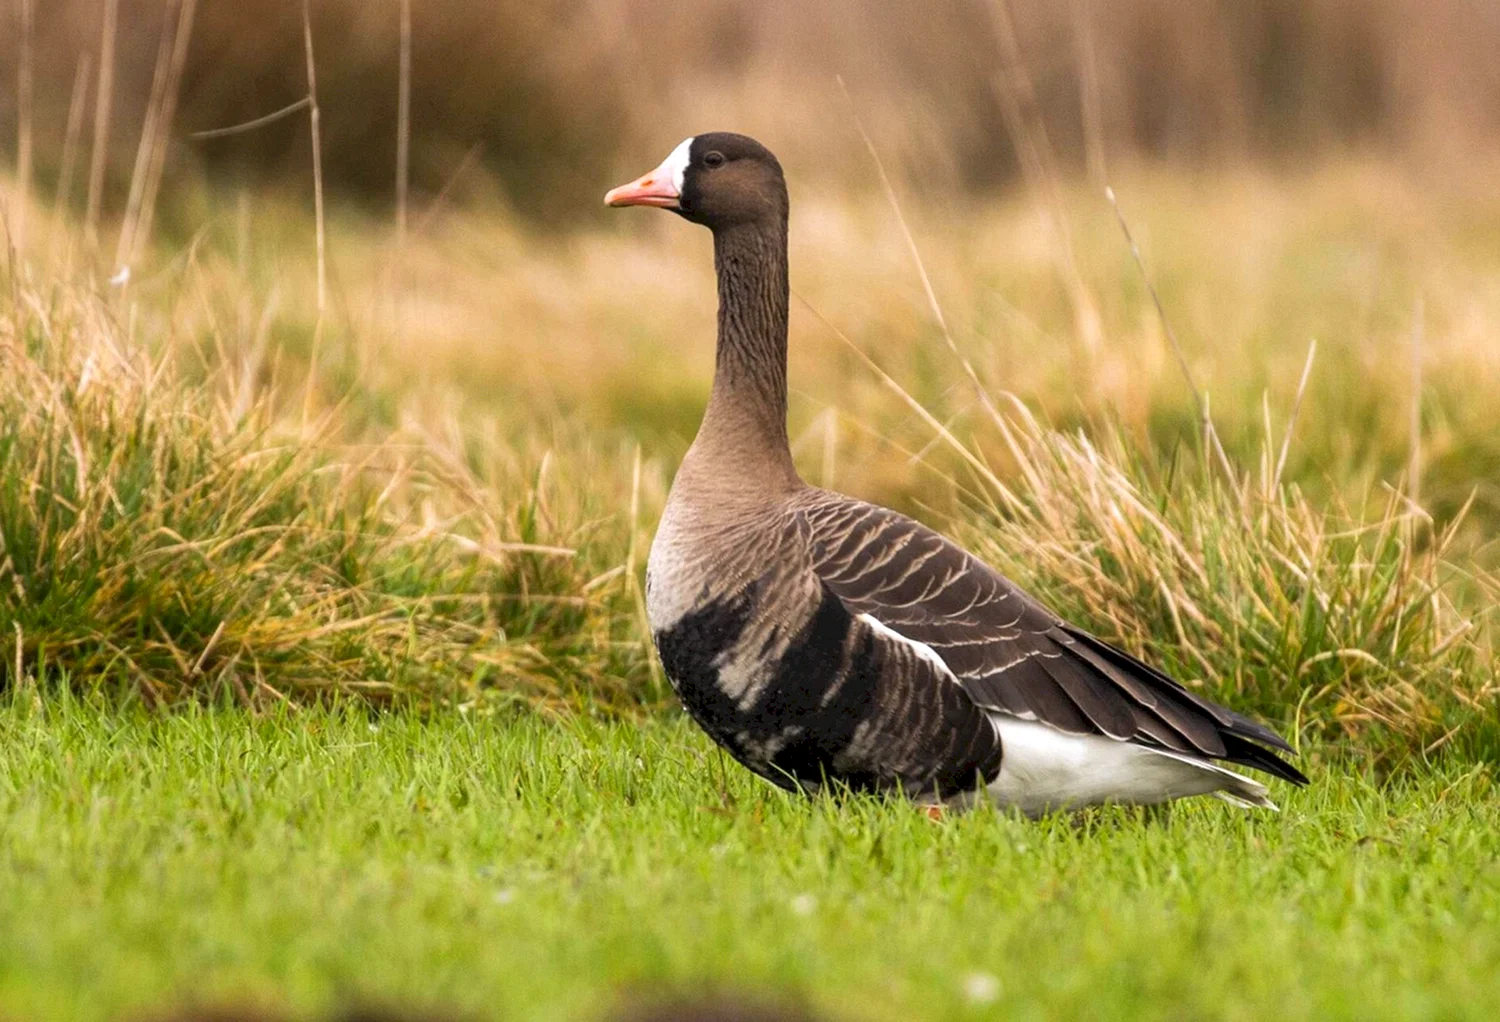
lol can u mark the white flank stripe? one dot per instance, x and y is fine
(922, 650)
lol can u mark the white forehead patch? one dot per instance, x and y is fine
(676, 163)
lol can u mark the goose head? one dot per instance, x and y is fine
(719, 180)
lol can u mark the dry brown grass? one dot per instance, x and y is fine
(461, 512)
(1244, 587)
(169, 530)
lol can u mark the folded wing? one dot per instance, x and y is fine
(1010, 653)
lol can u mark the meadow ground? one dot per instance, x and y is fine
(519, 868)
(432, 501)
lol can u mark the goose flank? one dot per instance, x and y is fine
(819, 638)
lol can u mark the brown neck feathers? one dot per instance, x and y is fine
(745, 425)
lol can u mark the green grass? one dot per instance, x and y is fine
(522, 869)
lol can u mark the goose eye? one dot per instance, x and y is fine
(713, 158)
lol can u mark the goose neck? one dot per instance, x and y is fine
(746, 415)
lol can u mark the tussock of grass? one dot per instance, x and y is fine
(1334, 622)
(172, 538)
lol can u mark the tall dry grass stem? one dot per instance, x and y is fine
(1200, 400)
(103, 111)
(939, 428)
(314, 119)
(1414, 456)
(256, 122)
(24, 112)
(1028, 131)
(12, 270)
(181, 38)
(916, 254)
(1291, 425)
(403, 123)
(390, 261)
(140, 175)
(1090, 105)
(63, 194)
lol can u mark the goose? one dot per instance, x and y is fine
(820, 639)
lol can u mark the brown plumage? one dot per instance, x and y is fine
(820, 638)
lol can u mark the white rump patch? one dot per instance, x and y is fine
(1042, 769)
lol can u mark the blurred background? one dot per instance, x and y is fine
(558, 95)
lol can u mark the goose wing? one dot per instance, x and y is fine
(1010, 653)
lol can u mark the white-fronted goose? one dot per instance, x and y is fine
(819, 638)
